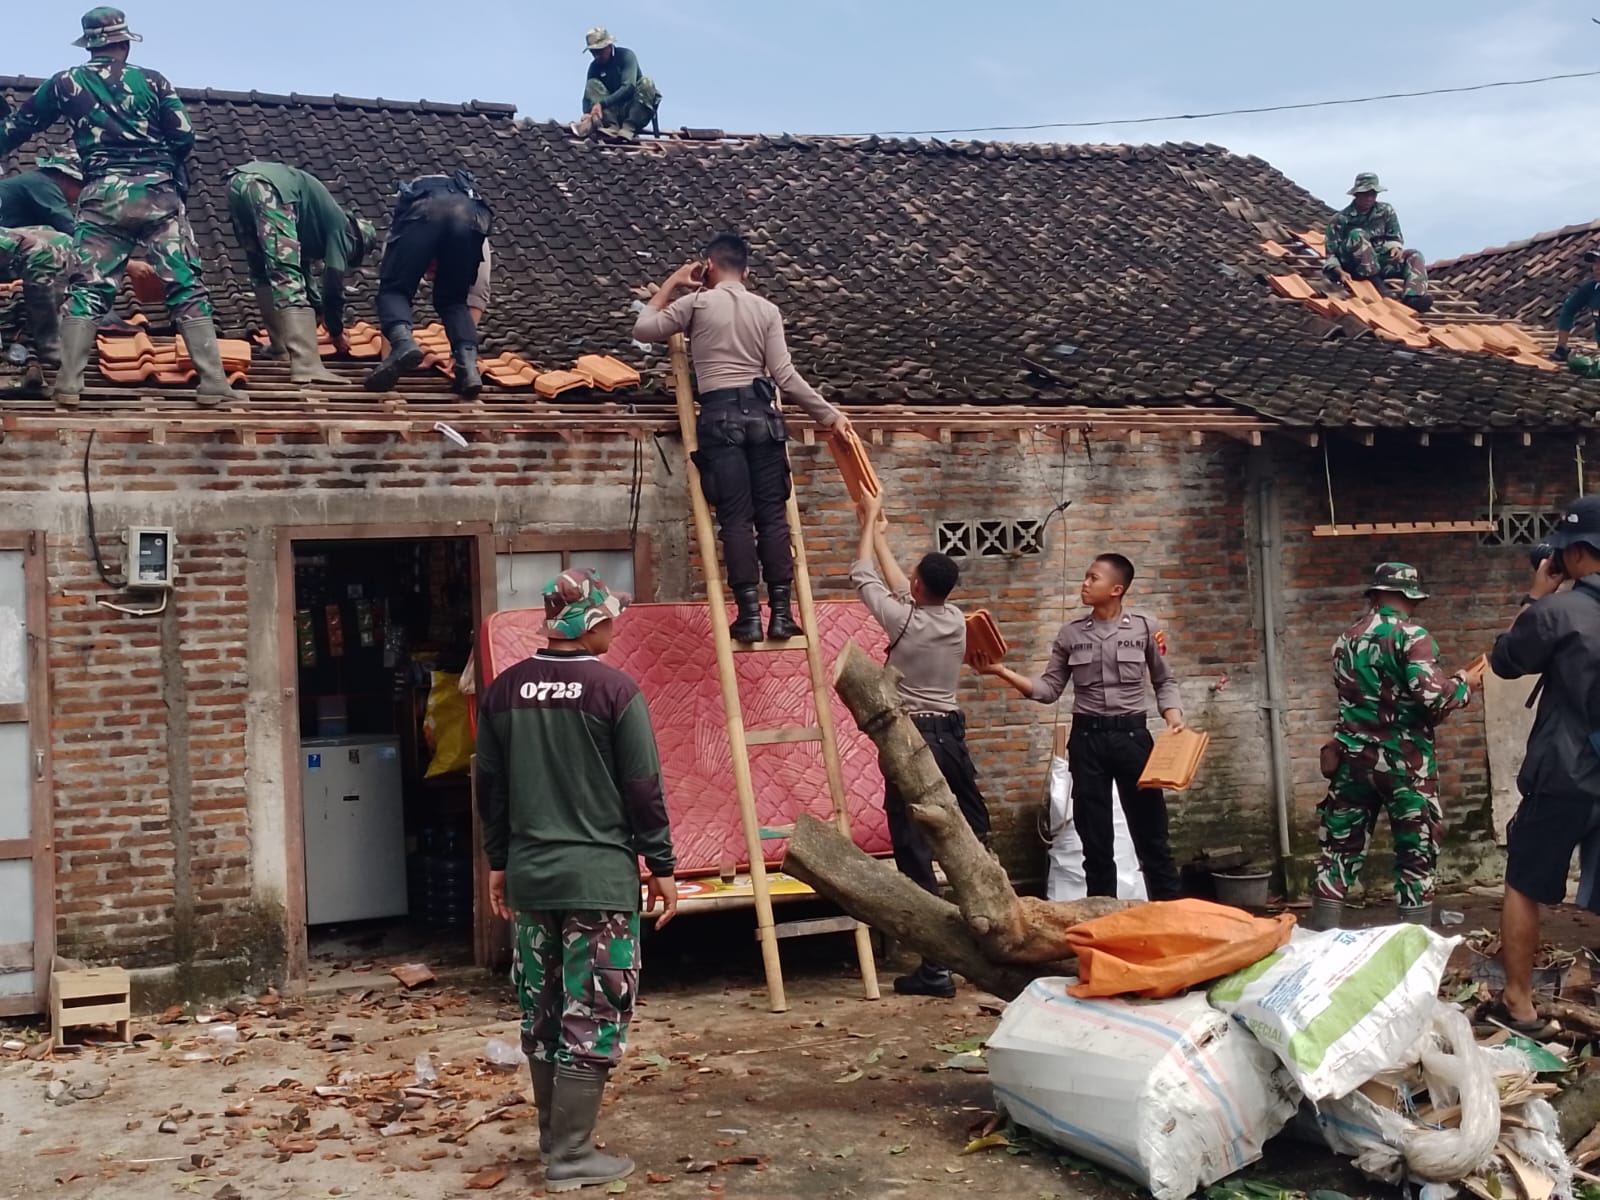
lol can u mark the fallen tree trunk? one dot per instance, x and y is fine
(1002, 927)
(872, 891)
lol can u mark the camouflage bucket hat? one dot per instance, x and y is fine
(1400, 578)
(62, 164)
(598, 38)
(576, 601)
(1367, 181)
(105, 27)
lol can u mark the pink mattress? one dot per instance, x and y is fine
(668, 649)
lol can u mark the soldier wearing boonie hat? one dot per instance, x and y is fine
(618, 98)
(1585, 296)
(1391, 695)
(570, 792)
(1364, 239)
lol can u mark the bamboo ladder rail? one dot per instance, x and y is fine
(739, 739)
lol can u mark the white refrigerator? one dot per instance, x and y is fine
(354, 827)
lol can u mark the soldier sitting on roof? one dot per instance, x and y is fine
(617, 99)
(289, 224)
(46, 196)
(1585, 295)
(39, 257)
(1365, 240)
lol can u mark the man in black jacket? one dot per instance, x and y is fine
(1556, 636)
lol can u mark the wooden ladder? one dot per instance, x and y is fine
(741, 739)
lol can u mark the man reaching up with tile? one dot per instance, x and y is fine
(299, 245)
(1364, 239)
(740, 361)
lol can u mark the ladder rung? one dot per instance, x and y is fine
(794, 643)
(789, 929)
(775, 737)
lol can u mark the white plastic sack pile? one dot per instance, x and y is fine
(1167, 1092)
(1066, 880)
(1339, 1007)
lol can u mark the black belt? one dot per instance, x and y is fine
(939, 722)
(736, 395)
(1093, 721)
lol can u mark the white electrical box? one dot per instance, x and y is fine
(151, 554)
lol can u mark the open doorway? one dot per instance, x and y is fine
(382, 629)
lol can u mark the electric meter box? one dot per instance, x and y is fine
(150, 557)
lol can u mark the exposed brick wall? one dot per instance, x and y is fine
(1182, 513)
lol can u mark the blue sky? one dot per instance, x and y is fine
(1463, 171)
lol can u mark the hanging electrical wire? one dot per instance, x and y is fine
(1239, 112)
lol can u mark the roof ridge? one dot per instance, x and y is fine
(298, 99)
(1548, 235)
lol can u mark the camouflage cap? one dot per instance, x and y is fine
(1367, 181)
(1400, 578)
(598, 38)
(63, 164)
(105, 27)
(575, 601)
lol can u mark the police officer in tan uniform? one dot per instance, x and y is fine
(1107, 655)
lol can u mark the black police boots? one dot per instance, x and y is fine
(748, 626)
(782, 626)
(467, 382)
(404, 355)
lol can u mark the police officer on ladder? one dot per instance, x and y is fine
(1107, 655)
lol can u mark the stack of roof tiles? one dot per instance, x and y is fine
(144, 359)
(908, 272)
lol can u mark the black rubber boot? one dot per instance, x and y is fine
(404, 355)
(927, 980)
(467, 381)
(782, 626)
(1421, 304)
(747, 628)
(574, 1162)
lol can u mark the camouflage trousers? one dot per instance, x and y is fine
(576, 975)
(1349, 813)
(271, 239)
(636, 112)
(1385, 260)
(123, 214)
(35, 255)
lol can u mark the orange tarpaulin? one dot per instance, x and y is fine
(1168, 946)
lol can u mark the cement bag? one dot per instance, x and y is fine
(1169, 1093)
(1339, 1007)
(446, 727)
(1066, 879)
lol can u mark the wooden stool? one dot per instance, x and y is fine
(88, 996)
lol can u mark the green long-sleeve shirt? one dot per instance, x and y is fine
(125, 119)
(621, 75)
(569, 785)
(33, 198)
(1585, 295)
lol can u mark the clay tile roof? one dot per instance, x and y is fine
(1526, 279)
(913, 272)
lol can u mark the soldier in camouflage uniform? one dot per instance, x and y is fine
(39, 257)
(46, 196)
(1391, 695)
(134, 139)
(570, 792)
(1364, 238)
(300, 245)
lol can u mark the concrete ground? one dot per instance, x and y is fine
(837, 1097)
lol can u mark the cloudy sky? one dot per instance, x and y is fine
(1464, 171)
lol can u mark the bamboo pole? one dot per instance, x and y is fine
(822, 698)
(743, 785)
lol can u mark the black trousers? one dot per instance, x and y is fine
(744, 472)
(1102, 751)
(446, 228)
(946, 736)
